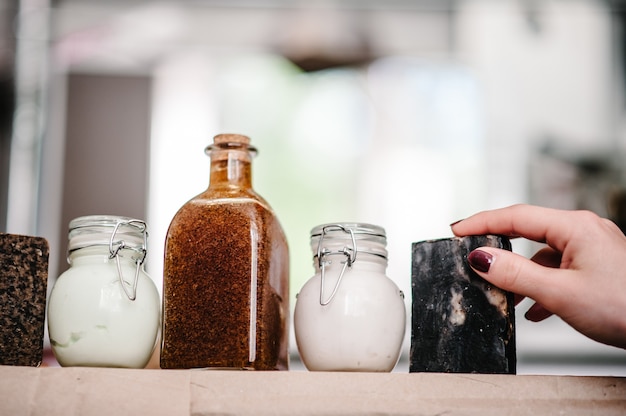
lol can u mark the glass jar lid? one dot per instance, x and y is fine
(108, 230)
(366, 238)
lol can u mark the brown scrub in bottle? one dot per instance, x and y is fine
(226, 272)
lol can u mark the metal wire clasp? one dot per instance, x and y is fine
(116, 246)
(323, 253)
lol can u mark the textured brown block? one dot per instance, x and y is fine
(23, 288)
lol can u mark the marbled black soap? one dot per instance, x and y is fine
(23, 288)
(460, 322)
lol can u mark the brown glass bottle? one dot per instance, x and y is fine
(226, 272)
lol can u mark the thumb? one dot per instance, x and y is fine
(517, 274)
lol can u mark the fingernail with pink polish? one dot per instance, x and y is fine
(480, 260)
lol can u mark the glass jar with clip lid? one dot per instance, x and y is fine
(104, 311)
(349, 316)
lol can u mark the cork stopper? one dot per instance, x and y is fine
(228, 141)
(231, 138)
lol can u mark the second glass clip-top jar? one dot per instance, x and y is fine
(349, 316)
(104, 311)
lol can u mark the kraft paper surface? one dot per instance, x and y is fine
(106, 391)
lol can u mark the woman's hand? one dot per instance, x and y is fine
(580, 275)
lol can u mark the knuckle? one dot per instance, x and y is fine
(586, 216)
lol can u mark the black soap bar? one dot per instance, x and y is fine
(23, 288)
(460, 322)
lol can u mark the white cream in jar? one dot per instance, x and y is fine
(349, 316)
(104, 311)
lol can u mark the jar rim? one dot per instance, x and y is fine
(102, 221)
(358, 228)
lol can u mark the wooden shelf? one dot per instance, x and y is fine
(107, 391)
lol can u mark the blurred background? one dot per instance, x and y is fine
(409, 114)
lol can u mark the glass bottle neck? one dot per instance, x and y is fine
(231, 169)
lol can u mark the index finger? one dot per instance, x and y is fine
(544, 225)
